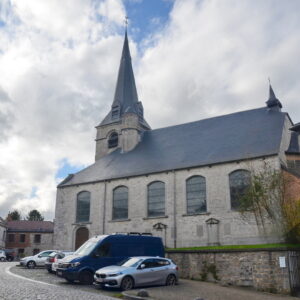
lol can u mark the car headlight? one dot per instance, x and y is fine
(115, 274)
(74, 265)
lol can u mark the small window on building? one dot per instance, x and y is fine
(113, 140)
(239, 182)
(120, 203)
(156, 199)
(35, 251)
(11, 238)
(22, 238)
(196, 195)
(294, 165)
(83, 207)
(37, 239)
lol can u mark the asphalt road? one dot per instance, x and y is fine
(16, 287)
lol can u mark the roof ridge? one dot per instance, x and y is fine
(215, 117)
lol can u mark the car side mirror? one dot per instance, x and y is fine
(39, 256)
(142, 266)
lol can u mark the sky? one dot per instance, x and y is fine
(192, 59)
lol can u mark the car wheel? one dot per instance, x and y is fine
(127, 283)
(31, 264)
(86, 277)
(2, 259)
(9, 259)
(171, 280)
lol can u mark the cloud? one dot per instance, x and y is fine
(56, 85)
(59, 63)
(214, 57)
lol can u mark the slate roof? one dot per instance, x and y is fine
(294, 147)
(126, 97)
(30, 226)
(232, 137)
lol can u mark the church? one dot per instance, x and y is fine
(180, 182)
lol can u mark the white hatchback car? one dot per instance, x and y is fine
(2, 255)
(37, 260)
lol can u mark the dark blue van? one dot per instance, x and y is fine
(105, 250)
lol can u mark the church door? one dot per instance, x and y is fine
(82, 235)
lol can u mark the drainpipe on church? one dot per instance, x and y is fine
(104, 208)
(174, 208)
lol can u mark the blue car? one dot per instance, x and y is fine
(106, 250)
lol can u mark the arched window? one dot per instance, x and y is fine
(120, 203)
(196, 195)
(113, 140)
(83, 207)
(156, 199)
(239, 182)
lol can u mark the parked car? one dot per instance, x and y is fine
(49, 261)
(54, 258)
(10, 254)
(138, 271)
(37, 260)
(105, 250)
(2, 255)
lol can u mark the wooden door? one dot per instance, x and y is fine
(82, 235)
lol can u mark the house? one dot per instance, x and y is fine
(29, 237)
(181, 182)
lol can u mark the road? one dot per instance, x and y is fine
(15, 287)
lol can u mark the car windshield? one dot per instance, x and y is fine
(86, 248)
(131, 262)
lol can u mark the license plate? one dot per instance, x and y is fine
(99, 279)
(59, 273)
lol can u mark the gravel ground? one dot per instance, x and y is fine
(186, 290)
(17, 288)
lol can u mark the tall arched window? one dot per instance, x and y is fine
(156, 199)
(83, 207)
(196, 195)
(113, 140)
(120, 203)
(239, 182)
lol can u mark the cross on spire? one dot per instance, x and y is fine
(126, 22)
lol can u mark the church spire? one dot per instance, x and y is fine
(273, 102)
(125, 97)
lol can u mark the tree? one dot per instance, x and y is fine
(269, 199)
(34, 215)
(13, 216)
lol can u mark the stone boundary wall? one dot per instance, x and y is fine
(259, 268)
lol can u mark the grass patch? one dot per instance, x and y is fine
(118, 295)
(237, 247)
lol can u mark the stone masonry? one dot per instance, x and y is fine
(258, 269)
(191, 230)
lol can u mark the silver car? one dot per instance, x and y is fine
(138, 271)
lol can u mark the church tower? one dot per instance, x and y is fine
(124, 125)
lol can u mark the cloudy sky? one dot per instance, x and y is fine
(192, 59)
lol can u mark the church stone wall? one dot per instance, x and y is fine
(192, 230)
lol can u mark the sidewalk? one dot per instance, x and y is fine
(190, 290)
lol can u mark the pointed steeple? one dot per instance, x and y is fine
(273, 102)
(126, 97)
